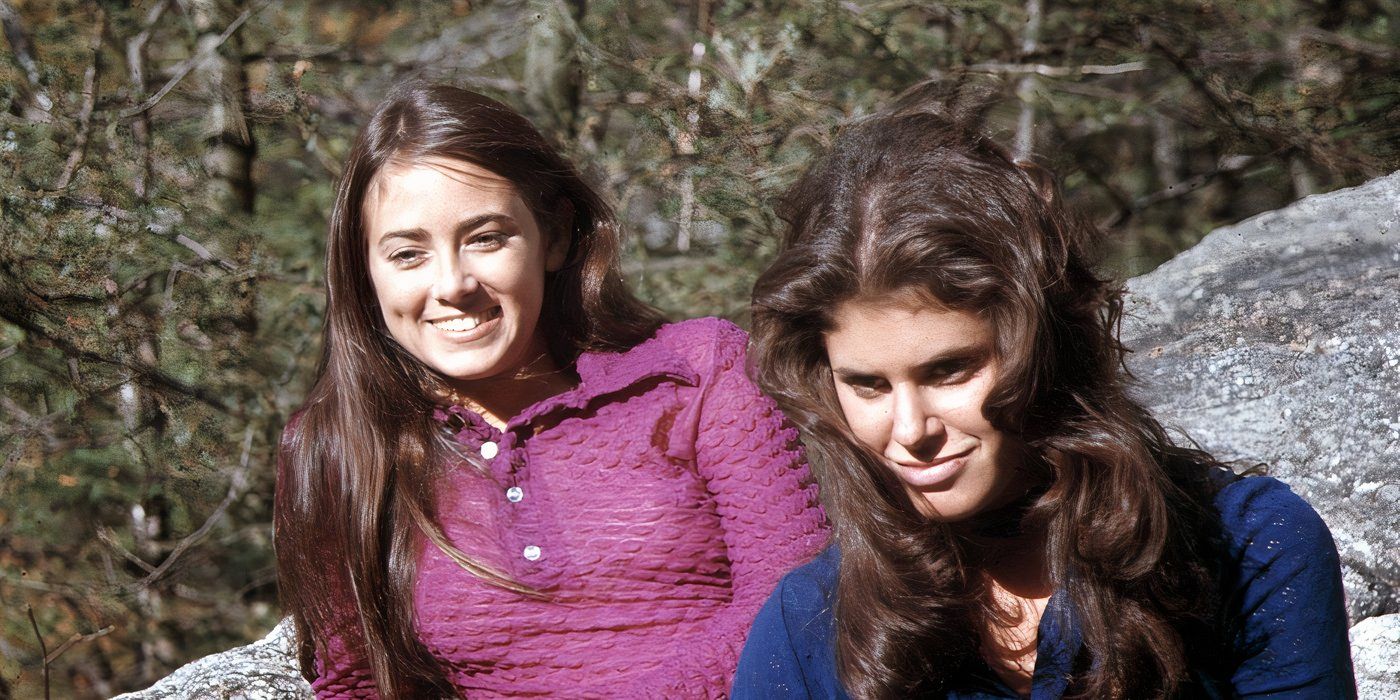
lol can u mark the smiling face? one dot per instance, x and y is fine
(912, 379)
(458, 265)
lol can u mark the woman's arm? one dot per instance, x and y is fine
(1291, 637)
(340, 675)
(749, 457)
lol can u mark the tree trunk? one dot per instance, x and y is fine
(553, 74)
(1024, 144)
(220, 79)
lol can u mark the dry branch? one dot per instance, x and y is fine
(75, 157)
(136, 68)
(104, 535)
(237, 484)
(38, 105)
(77, 638)
(43, 649)
(186, 66)
(1057, 71)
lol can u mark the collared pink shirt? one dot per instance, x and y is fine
(656, 505)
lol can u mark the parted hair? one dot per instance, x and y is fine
(918, 199)
(355, 494)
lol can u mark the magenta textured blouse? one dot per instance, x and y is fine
(657, 505)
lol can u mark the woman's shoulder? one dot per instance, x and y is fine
(807, 592)
(1252, 506)
(704, 342)
(1264, 521)
(1284, 590)
(789, 652)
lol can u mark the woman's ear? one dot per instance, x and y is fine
(561, 239)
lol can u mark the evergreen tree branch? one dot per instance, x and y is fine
(1353, 44)
(162, 230)
(140, 371)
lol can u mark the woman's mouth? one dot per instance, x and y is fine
(467, 326)
(934, 473)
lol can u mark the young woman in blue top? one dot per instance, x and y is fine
(1009, 523)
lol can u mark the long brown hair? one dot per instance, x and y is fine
(355, 496)
(916, 198)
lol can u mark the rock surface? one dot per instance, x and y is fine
(265, 669)
(1375, 649)
(1276, 341)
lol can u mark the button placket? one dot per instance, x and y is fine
(526, 528)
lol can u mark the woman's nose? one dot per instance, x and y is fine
(453, 281)
(914, 422)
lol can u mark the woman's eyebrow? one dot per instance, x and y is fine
(417, 233)
(958, 354)
(849, 375)
(943, 357)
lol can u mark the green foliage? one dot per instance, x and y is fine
(161, 268)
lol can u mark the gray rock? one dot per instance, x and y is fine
(1375, 649)
(1277, 341)
(265, 669)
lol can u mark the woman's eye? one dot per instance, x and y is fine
(488, 241)
(954, 374)
(406, 256)
(866, 389)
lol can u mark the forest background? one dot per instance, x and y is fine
(166, 172)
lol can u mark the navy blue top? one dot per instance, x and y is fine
(1283, 585)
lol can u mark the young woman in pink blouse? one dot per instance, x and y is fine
(512, 478)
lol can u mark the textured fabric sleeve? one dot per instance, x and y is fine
(753, 466)
(1291, 638)
(340, 675)
(337, 674)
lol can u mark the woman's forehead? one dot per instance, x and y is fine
(468, 174)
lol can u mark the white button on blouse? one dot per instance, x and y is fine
(532, 552)
(514, 494)
(489, 449)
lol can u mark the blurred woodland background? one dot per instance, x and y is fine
(166, 169)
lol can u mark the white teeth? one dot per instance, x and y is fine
(457, 324)
(463, 324)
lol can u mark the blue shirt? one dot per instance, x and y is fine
(1282, 584)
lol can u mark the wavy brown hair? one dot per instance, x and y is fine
(355, 496)
(917, 199)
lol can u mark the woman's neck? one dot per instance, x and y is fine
(498, 399)
(1017, 565)
(1018, 587)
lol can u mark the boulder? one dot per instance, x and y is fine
(1375, 649)
(1277, 341)
(264, 670)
